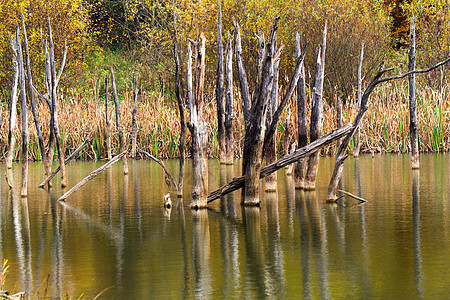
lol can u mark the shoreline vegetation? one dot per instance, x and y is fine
(386, 129)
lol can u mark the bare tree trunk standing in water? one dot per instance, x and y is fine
(107, 126)
(357, 137)
(316, 114)
(118, 125)
(134, 121)
(412, 97)
(197, 125)
(220, 91)
(13, 104)
(229, 102)
(300, 165)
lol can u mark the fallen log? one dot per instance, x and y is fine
(351, 195)
(68, 159)
(91, 176)
(238, 182)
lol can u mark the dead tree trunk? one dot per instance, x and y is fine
(300, 165)
(54, 116)
(118, 124)
(412, 97)
(13, 104)
(245, 94)
(357, 137)
(229, 102)
(107, 126)
(23, 105)
(316, 114)
(220, 92)
(271, 150)
(341, 156)
(133, 120)
(286, 141)
(178, 93)
(198, 125)
(338, 118)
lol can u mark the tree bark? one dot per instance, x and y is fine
(412, 97)
(23, 105)
(220, 91)
(118, 123)
(134, 121)
(229, 102)
(107, 126)
(286, 141)
(239, 182)
(198, 126)
(13, 104)
(357, 137)
(316, 115)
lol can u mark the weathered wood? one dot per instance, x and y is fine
(91, 176)
(254, 137)
(302, 123)
(134, 120)
(353, 196)
(287, 132)
(178, 94)
(107, 126)
(338, 117)
(220, 91)
(13, 104)
(69, 159)
(169, 177)
(316, 114)
(341, 156)
(245, 94)
(54, 115)
(412, 97)
(198, 126)
(229, 156)
(238, 182)
(357, 137)
(118, 122)
(23, 106)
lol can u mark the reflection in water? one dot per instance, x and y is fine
(15, 206)
(137, 204)
(120, 241)
(201, 253)
(418, 277)
(27, 245)
(290, 200)
(57, 264)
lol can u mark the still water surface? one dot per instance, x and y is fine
(114, 234)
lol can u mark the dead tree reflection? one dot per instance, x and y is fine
(418, 274)
(201, 254)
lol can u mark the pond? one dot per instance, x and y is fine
(114, 236)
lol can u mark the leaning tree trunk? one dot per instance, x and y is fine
(133, 120)
(118, 123)
(316, 115)
(23, 105)
(341, 156)
(357, 137)
(220, 92)
(412, 97)
(107, 126)
(229, 102)
(254, 137)
(271, 149)
(13, 104)
(198, 126)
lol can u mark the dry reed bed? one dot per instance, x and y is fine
(384, 129)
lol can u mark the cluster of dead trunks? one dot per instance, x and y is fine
(261, 110)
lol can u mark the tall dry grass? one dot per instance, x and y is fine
(385, 127)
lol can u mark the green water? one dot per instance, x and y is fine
(114, 234)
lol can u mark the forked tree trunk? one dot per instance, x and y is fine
(229, 102)
(198, 126)
(23, 104)
(316, 115)
(412, 97)
(134, 121)
(178, 93)
(13, 104)
(118, 123)
(220, 91)
(357, 137)
(338, 118)
(271, 149)
(341, 156)
(107, 126)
